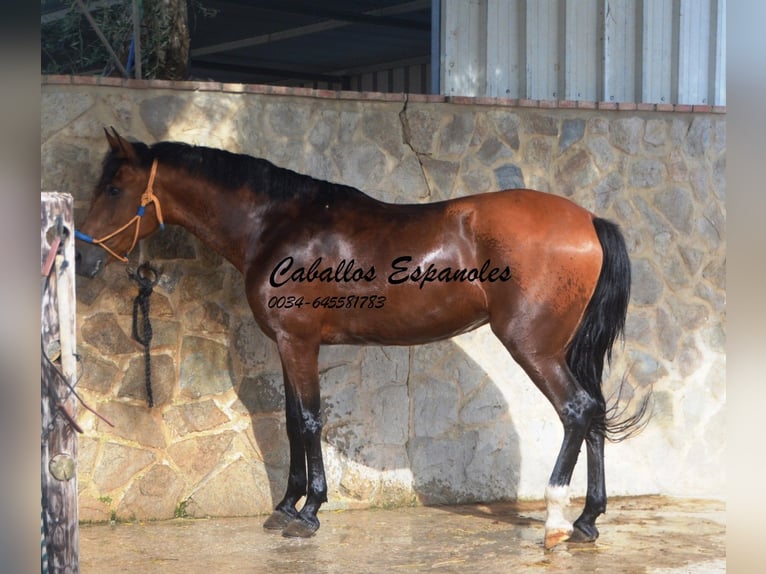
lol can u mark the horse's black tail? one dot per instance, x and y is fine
(603, 322)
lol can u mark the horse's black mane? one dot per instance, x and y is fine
(231, 171)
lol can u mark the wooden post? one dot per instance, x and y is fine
(58, 404)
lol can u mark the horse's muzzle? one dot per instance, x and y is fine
(90, 259)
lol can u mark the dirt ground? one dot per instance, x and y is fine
(653, 535)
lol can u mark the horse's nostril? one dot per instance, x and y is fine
(87, 265)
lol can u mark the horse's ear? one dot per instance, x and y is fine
(121, 148)
(113, 141)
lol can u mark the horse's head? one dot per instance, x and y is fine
(117, 218)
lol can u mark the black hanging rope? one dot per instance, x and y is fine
(146, 276)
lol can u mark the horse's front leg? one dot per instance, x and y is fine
(307, 476)
(297, 480)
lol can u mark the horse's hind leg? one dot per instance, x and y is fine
(574, 406)
(595, 502)
(576, 410)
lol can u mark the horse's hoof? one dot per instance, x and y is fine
(556, 536)
(300, 528)
(584, 533)
(278, 520)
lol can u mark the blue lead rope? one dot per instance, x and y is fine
(82, 236)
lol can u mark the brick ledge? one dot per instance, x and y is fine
(373, 96)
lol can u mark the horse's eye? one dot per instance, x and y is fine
(112, 191)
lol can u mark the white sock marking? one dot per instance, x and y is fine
(557, 498)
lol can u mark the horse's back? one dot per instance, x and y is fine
(526, 211)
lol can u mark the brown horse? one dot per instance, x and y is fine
(326, 264)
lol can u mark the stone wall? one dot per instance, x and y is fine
(442, 423)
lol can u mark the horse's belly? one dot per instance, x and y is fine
(412, 334)
(408, 318)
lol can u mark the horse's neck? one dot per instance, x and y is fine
(221, 219)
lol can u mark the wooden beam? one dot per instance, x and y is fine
(137, 39)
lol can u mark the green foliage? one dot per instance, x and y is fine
(180, 511)
(69, 44)
(107, 500)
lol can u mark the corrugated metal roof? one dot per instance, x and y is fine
(264, 41)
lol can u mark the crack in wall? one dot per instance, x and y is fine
(407, 140)
(411, 418)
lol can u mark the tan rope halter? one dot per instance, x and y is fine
(146, 198)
